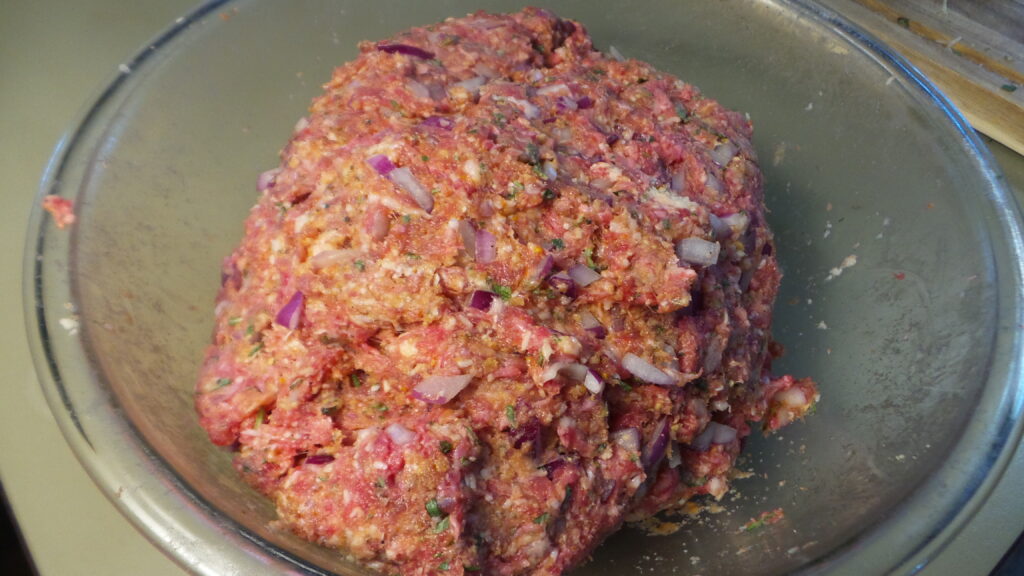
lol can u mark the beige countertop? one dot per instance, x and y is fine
(54, 57)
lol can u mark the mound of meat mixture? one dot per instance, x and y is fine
(503, 293)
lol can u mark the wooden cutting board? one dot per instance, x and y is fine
(973, 50)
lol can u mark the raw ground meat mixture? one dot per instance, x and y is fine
(504, 293)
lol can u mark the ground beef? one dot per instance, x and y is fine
(502, 294)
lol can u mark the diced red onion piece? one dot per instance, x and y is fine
(713, 354)
(485, 70)
(473, 84)
(628, 438)
(549, 171)
(482, 299)
(593, 325)
(675, 457)
(698, 251)
(571, 370)
(381, 163)
(319, 459)
(418, 90)
(564, 103)
(267, 179)
(723, 153)
(655, 449)
(563, 283)
(679, 180)
(702, 443)
(291, 313)
(486, 247)
(584, 103)
(406, 181)
(722, 230)
(543, 268)
(553, 467)
(468, 233)
(406, 50)
(332, 257)
(721, 434)
(529, 110)
(646, 371)
(440, 389)
(583, 275)
(379, 224)
(714, 183)
(737, 222)
(438, 122)
(400, 434)
(552, 89)
(593, 382)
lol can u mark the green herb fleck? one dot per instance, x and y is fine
(1008, 87)
(443, 566)
(442, 526)
(222, 382)
(557, 243)
(256, 349)
(539, 171)
(588, 255)
(471, 568)
(234, 321)
(406, 218)
(425, 158)
(433, 509)
(282, 207)
(503, 291)
(683, 113)
(903, 21)
(260, 418)
(446, 447)
(542, 519)
(510, 413)
(249, 330)
(548, 194)
(356, 380)
(499, 118)
(380, 407)
(450, 40)
(360, 265)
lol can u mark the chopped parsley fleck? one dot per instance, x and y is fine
(557, 243)
(360, 265)
(542, 519)
(683, 113)
(539, 171)
(412, 255)
(222, 382)
(425, 158)
(380, 407)
(433, 509)
(256, 349)
(260, 418)
(356, 380)
(234, 321)
(471, 568)
(446, 447)
(510, 413)
(503, 291)
(499, 118)
(249, 330)
(442, 526)
(443, 566)
(588, 255)
(548, 194)
(406, 218)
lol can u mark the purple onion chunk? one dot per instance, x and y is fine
(584, 103)
(485, 247)
(381, 163)
(291, 313)
(655, 449)
(438, 122)
(406, 50)
(563, 283)
(646, 371)
(319, 459)
(440, 389)
(584, 275)
(482, 300)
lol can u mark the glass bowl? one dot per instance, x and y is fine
(916, 346)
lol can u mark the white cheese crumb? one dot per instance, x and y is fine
(69, 324)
